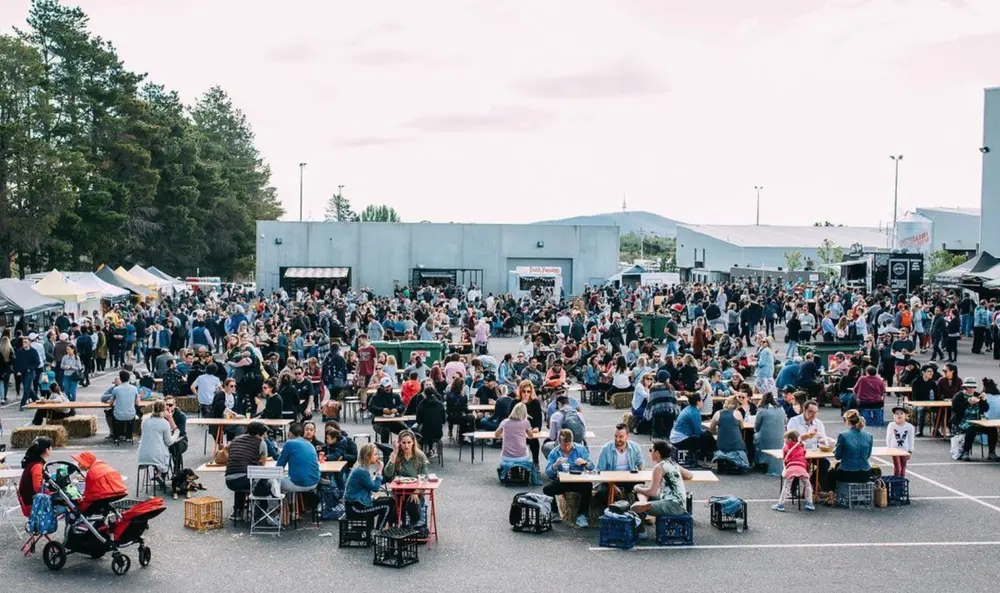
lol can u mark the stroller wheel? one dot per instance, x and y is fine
(120, 563)
(145, 555)
(54, 555)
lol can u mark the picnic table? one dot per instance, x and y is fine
(325, 467)
(816, 455)
(484, 435)
(402, 489)
(983, 423)
(942, 413)
(282, 423)
(623, 477)
(901, 392)
(383, 419)
(481, 407)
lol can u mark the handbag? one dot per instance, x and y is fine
(881, 496)
(957, 444)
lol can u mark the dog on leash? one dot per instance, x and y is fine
(186, 482)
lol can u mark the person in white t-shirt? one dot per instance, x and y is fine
(808, 425)
(899, 435)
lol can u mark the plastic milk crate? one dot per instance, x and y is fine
(617, 532)
(899, 490)
(675, 530)
(855, 494)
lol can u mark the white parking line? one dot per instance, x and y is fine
(943, 487)
(880, 544)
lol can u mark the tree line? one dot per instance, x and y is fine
(100, 165)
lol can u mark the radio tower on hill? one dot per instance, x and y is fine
(623, 202)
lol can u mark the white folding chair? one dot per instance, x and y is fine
(265, 509)
(10, 507)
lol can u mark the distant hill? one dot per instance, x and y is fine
(628, 222)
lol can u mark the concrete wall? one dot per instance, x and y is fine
(721, 256)
(989, 237)
(954, 231)
(381, 253)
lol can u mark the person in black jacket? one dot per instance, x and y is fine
(954, 332)
(939, 332)
(430, 420)
(386, 403)
(269, 402)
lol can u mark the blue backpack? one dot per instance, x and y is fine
(42, 520)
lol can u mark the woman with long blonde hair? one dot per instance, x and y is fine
(6, 366)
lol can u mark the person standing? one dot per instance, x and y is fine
(73, 371)
(26, 362)
(954, 333)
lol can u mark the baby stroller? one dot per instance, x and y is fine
(100, 521)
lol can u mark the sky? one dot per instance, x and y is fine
(517, 111)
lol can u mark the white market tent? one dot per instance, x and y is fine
(177, 284)
(108, 291)
(77, 298)
(148, 279)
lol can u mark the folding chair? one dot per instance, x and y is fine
(265, 509)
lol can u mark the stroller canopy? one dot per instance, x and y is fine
(103, 484)
(143, 511)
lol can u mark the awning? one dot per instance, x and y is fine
(853, 262)
(316, 273)
(19, 298)
(436, 274)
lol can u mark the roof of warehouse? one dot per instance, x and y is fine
(790, 236)
(956, 210)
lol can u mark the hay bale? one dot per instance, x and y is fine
(80, 427)
(568, 504)
(622, 400)
(188, 404)
(22, 437)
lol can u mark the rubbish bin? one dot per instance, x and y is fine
(391, 349)
(647, 325)
(822, 351)
(429, 351)
(659, 325)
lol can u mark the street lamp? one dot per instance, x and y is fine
(757, 188)
(895, 197)
(302, 167)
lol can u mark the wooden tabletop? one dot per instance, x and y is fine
(394, 419)
(903, 389)
(817, 454)
(425, 485)
(927, 404)
(68, 405)
(622, 477)
(326, 467)
(238, 421)
(488, 434)
(481, 407)
(986, 423)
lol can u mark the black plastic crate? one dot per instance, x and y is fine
(396, 548)
(727, 467)
(529, 518)
(726, 522)
(675, 530)
(899, 490)
(684, 458)
(356, 532)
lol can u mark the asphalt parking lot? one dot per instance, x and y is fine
(943, 540)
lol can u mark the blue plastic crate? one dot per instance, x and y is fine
(675, 530)
(617, 532)
(874, 417)
(899, 490)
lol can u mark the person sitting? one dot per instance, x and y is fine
(155, 443)
(340, 448)
(554, 406)
(55, 397)
(620, 454)
(789, 374)
(32, 466)
(662, 410)
(268, 402)
(769, 429)
(869, 391)
(640, 399)
(204, 387)
(364, 480)
(173, 380)
(385, 403)
(410, 388)
(457, 407)
(666, 494)
(223, 403)
(178, 423)
(809, 377)
(687, 433)
(555, 377)
(124, 399)
(924, 388)
(514, 432)
(487, 392)
(303, 464)
(247, 449)
(854, 448)
(730, 444)
(569, 455)
(969, 406)
(407, 461)
(565, 417)
(790, 403)
(431, 417)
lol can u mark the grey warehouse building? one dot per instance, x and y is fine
(381, 256)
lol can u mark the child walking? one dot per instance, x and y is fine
(899, 435)
(795, 469)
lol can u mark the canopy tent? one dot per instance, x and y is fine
(317, 273)
(18, 298)
(176, 283)
(151, 286)
(979, 263)
(108, 291)
(111, 277)
(140, 274)
(77, 298)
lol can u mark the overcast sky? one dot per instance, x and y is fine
(515, 111)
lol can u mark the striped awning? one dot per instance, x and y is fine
(316, 273)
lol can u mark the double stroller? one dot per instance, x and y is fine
(100, 521)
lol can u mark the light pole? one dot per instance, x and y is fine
(895, 196)
(302, 167)
(757, 188)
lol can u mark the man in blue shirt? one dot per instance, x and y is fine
(687, 433)
(789, 373)
(303, 464)
(569, 455)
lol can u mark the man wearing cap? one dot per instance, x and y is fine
(386, 403)
(969, 406)
(487, 392)
(924, 388)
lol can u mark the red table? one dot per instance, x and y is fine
(402, 490)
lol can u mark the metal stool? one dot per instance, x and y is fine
(144, 478)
